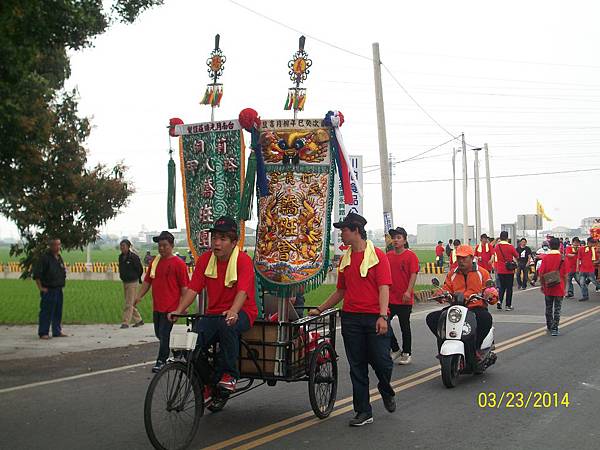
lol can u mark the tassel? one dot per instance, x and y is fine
(261, 174)
(171, 219)
(245, 208)
(204, 100)
(220, 97)
(211, 97)
(301, 102)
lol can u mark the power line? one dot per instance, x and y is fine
(497, 176)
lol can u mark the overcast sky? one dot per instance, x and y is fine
(521, 76)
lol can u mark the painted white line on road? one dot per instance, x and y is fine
(73, 377)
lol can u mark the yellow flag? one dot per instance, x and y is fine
(541, 212)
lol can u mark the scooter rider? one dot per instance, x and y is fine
(469, 279)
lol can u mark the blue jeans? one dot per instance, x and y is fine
(51, 304)
(572, 276)
(363, 347)
(214, 329)
(584, 278)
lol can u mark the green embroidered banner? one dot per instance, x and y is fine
(294, 220)
(212, 168)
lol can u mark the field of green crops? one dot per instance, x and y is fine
(88, 302)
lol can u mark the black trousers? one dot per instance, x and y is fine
(162, 330)
(482, 315)
(506, 280)
(365, 347)
(522, 276)
(403, 312)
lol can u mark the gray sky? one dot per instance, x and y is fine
(521, 76)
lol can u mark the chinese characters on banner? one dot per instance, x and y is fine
(212, 156)
(341, 209)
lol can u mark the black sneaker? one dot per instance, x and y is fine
(584, 299)
(138, 324)
(361, 419)
(159, 365)
(499, 306)
(124, 325)
(509, 308)
(570, 296)
(389, 401)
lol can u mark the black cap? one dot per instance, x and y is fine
(164, 236)
(398, 230)
(352, 219)
(225, 224)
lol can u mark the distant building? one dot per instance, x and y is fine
(431, 233)
(588, 222)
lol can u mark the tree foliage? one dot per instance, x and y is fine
(46, 188)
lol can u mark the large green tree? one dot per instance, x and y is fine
(46, 186)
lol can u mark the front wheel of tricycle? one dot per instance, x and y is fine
(322, 380)
(173, 407)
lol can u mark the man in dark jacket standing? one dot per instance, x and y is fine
(50, 274)
(130, 272)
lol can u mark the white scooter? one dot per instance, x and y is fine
(457, 326)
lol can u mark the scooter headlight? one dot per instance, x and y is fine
(454, 315)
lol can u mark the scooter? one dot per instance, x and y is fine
(457, 328)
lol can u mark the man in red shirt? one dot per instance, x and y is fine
(553, 261)
(505, 253)
(439, 254)
(483, 253)
(364, 281)
(228, 276)
(586, 258)
(167, 276)
(571, 255)
(404, 265)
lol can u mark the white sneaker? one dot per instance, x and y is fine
(395, 355)
(405, 358)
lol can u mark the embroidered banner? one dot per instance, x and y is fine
(292, 246)
(212, 168)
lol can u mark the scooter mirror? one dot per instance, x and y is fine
(435, 282)
(490, 283)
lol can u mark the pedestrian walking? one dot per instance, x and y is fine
(404, 265)
(363, 283)
(553, 275)
(523, 264)
(506, 256)
(571, 255)
(50, 275)
(439, 254)
(130, 272)
(484, 252)
(167, 276)
(586, 258)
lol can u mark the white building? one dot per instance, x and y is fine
(431, 233)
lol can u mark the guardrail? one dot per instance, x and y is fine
(78, 267)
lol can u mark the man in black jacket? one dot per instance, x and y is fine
(50, 274)
(130, 271)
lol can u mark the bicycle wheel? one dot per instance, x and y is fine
(173, 407)
(322, 380)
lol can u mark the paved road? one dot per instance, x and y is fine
(105, 410)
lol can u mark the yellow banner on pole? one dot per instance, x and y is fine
(541, 212)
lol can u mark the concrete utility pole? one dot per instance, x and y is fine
(386, 184)
(454, 193)
(477, 195)
(489, 191)
(465, 197)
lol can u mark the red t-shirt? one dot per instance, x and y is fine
(439, 250)
(402, 266)
(586, 262)
(552, 261)
(220, 297)
(484, 252)
(504, 252)
(571, 259)
(362, 294)
(171, 276)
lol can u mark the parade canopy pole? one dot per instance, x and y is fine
(214, 91)
(299, 69)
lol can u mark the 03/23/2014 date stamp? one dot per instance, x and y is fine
(523, 400)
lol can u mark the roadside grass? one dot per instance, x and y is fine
(89, 302)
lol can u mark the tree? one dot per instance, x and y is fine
(46, 189)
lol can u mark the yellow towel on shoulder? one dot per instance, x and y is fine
(230, 274)
(369, 260)
(153, 266)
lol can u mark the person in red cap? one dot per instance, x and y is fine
(167, 276)
(228, 276)
(364, 281)
(469, 279)
(404, 265)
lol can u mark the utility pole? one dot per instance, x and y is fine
(454, 193)
(465, 197)
(477, 195)
(489, 191)
(386, 185)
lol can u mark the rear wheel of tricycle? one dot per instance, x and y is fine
(322, 381)
(173, 407)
